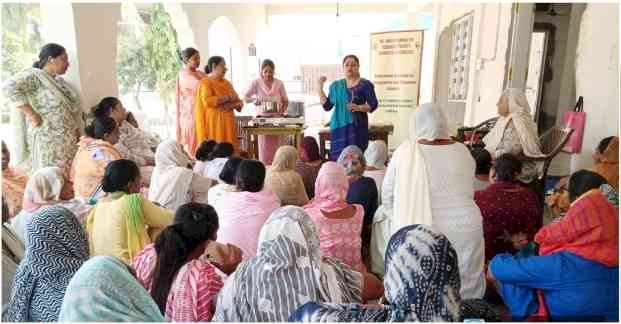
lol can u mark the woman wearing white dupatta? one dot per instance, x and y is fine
(376, 155)
(432, 181)
(172, 182)
(515, 132)
(47, 187)
(52, 107)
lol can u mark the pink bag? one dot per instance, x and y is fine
(575, 119)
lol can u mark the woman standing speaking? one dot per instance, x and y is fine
(215, 101)
(352, 97)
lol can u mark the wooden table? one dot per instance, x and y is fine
(253, 132)
(377, 131)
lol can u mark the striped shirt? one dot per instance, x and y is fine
(193, 293)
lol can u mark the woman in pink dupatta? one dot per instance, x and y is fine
(243, 212)
(187, 83)
(268, 88)
(338, 223)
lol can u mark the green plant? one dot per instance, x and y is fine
(161, 44)
(133, 71)
(21, 39)
(151, 61)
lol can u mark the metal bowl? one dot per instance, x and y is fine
(295, 109)
(269, 106)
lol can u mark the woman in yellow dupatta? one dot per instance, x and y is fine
(123, 222)
(215, 101)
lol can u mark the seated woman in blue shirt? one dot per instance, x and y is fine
(577, 270)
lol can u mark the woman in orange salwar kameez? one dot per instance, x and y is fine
(187, 82)
(215, 101)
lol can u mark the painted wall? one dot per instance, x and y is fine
(597, 77)
(490, 33)
(248, 19)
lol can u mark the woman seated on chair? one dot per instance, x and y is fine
(515, 132)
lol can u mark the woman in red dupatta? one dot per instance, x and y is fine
(591, 227)
(578, 262)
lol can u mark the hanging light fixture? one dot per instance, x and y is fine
(252, 50)
(339, 31)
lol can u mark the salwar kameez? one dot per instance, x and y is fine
(53, 141)
(346, 127)
(187, 83)
(268, 144)
(213, 122)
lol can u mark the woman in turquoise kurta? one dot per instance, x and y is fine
(352, 98)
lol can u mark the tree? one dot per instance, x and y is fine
(164, 53)
(151, 61)
(21, 39)
(133, 70)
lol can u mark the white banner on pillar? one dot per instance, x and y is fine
(395, 68)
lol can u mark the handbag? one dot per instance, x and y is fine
(575, 119)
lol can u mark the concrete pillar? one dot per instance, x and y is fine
(89, 33)
(181, 24)
(520, 44)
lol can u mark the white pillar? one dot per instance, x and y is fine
(520, 44)
(181, 24)
(89, 33)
